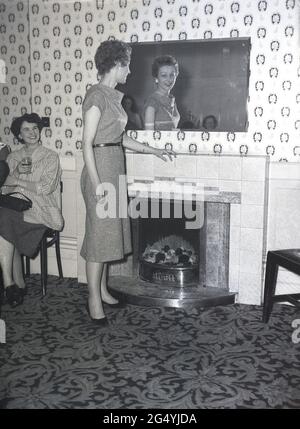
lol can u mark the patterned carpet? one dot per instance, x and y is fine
(147, 358)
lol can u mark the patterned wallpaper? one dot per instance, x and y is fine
(15, 90)
(65, 34)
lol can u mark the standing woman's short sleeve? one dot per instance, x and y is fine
(94, 98)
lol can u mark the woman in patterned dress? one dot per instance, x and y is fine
(21, 232)
(106, 239)
(161, 112)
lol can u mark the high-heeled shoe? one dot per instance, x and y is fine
(100, 322)
(14, 295)
(118, 304)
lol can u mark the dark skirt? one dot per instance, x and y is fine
(4, 170)
(25, 236)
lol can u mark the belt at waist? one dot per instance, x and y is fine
(107, 144)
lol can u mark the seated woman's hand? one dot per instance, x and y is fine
(23, 169)
(165, 153)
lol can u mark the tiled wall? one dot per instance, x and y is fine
(65, 34)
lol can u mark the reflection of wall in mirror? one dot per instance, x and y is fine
(134, 121)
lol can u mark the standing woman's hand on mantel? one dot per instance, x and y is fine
(131, 144)
(163, 153)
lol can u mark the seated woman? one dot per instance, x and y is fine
(35, 172)
(160, 108)
(210, 122)
(134, 121)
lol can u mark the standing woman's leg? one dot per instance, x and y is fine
(105, 295)
(93, 273)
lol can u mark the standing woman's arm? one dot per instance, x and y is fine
(91, 120)
(176, 115)
(149, 118)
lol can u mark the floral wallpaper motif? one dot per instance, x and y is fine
(64, 35)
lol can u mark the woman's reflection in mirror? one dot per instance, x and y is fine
(210, 122)
(161, 112)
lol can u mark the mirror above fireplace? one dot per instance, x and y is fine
(213, 81)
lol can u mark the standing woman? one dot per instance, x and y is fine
(161, 112)
(104, 121)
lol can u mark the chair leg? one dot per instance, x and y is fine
(27, 270)
(44, 268)
(58, 257)
(270, 286)
(23, 265)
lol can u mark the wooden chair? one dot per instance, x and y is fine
(288, 259)
(50, 238)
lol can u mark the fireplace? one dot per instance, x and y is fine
(174, 265)
(231, 267)
(168, 249)
(181, 243)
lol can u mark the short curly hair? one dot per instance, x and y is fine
(214, 119)
(164, 60)
(109, 53)
(32, 118)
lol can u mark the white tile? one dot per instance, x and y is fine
(164, 168)
(186, 166)
(129, 163)
(210, 183)
(250, 261)
(284, 170)
(234, 278)
(252, 240)
(235, 214)
(142, 165)
(208, 167)
(235, 232)
(253, 169)
(250, 289)
(230, 185)
(230, 168)
(252, 216)
(234, 256)
(253, 192)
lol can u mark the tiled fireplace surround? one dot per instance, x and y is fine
(241, 180)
